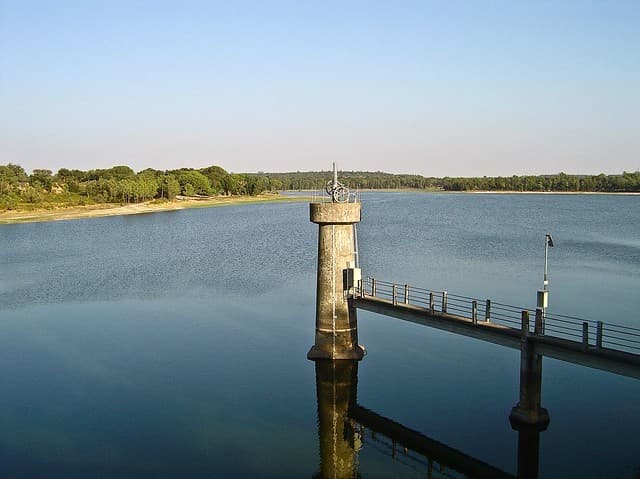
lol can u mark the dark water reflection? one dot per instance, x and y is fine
(346, 428)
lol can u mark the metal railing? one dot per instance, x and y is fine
(592, 334)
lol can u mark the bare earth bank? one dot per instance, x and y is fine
(94, 211)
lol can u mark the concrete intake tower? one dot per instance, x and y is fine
(336, 321)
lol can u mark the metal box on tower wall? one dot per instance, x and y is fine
(351, 277)
(543, 299)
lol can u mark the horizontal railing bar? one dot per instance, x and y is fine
(610, 327)
(568, 333)
(458, 301)
(511, 321)
(553, 318)
(551, 325)
(560, 321)
(506, 305)
(569, 337)
(418, 294)
(468, 298)
(501, 315)
(560, 317)
(635, 341)
(462, 307)
(498, 307)
(621, 345)
(572, 317)
(564, 335)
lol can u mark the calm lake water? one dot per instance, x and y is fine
(174, 344)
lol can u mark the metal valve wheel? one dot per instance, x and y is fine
(339, 193)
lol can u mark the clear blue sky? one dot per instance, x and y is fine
(435, 88)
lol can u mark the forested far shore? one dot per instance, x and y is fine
(625, 182)
(120, 184)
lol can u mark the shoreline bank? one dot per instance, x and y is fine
(106, 209)
(479, 192)
(109, 209)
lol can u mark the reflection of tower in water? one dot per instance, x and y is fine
(336, 389)
(344, 427)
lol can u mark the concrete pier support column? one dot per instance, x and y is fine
(528, 410)
(336, 322)
(336, 389)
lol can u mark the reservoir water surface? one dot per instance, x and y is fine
(174, 344)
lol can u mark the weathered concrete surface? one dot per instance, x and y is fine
(335, 213)
(336, 322)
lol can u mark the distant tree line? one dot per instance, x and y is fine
(355, 179)
(626, 182)
(121, 184)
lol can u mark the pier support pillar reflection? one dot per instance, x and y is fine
(336, 389)
(528, 449)
(336, 323)
(528, 410)
(528, 417)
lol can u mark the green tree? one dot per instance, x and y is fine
(32, 194)
(9, 201)
(255, 184)
(233, 185)
(10, 177)
(119, 172)
(41, 178)
(199, 183)
(170, 187)
(216, 177)
(275, 184)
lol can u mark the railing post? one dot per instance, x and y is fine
(487, 311)
(373, 286)
(444, 301)
(585, 335)
(537, 328)
(394, 291)
(474, 312)
(599, 331)
(406, 294)
(525, 324)
(431, 301)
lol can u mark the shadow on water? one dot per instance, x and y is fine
(345, 428)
